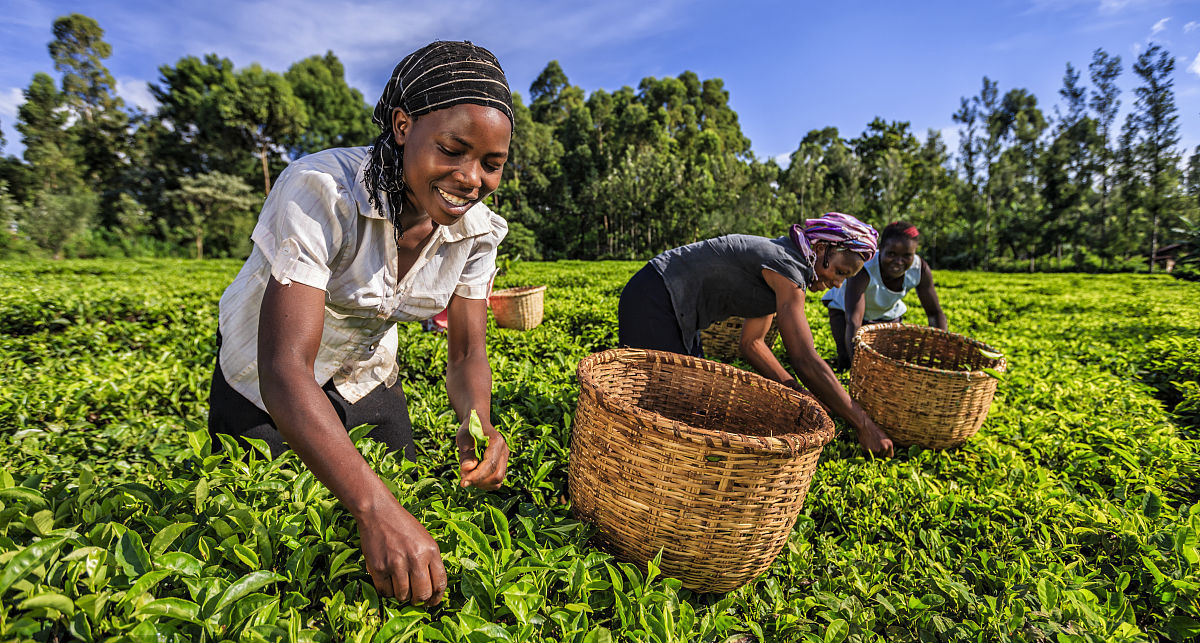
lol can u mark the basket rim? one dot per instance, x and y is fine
(517, 291)
(860, 343)
(790, 444)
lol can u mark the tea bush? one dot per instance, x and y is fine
(1072, 516)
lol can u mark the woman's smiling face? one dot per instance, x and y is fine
(453, 158)
(841, 266)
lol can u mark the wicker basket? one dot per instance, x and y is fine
(519, 308)
(701, 460)
(923, 385)
(722, 340)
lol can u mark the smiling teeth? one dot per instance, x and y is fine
(453, 199)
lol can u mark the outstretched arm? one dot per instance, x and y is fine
(754, 349)
(929, 299)
(469, 385)
(856, 306)
(813, 371)
(401, 556)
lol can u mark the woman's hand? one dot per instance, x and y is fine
(488, 474)
(401, 556)
(873, 439)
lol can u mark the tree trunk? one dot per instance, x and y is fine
(266, 173)
(199, 242)
(1153, 241)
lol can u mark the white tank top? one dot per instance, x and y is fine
(882, 303)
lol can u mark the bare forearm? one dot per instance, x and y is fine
(469, 385)
(851, 330)
(938, 320)
(308, 422)
(766, 364)
(815, 374)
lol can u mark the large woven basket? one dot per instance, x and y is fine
(701, 460)
(722, 340)
(519, 308)
(923, 385)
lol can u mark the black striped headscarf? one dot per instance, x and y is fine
(439, 75)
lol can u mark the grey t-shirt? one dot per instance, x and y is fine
(714, 279)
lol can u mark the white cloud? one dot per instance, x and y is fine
(950, 136)
(10, 100)
(783, 160)
(1195, 66)
(1191, 26)
(135, 92)
(252, 31)
(1113, 6)
(1159, 26)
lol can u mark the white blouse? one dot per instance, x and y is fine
(319, 228)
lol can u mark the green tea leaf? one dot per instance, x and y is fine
(837, 631)
(172, 607)
(1047, 593)
(477, 434)
(27, 559)
(49, 600)
(163, 539)
(250, 582)
(132, 555)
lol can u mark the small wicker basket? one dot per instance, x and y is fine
(722, 340)
(519, 308)
(923, 385)
(706, 462)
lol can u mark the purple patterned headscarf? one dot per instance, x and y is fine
(841, 230)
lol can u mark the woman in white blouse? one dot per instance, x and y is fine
(876, 294)
(349, 242)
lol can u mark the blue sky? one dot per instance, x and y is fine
(789, 66)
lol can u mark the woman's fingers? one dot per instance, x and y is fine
(437, 576)
(382, 579)
(400, 581)
(420, 586)
(489, 474)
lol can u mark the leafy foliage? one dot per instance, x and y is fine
(1072, 516)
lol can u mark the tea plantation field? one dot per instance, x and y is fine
(1072, 516)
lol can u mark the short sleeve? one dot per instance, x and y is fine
(300, 228)
(476, 279)
(788, 268)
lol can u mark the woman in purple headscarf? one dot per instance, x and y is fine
(684, 290)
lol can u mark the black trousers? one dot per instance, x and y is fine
(646, 316)
(385, 407)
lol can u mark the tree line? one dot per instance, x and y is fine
(609, 174)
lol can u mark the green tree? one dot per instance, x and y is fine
(262, 108)
(936, 196)
(220, 208)
(42, 121)
(1158, 133)
(337, 115)
(1066, 168)
(888, 153)
(1104, 104)
(56, 217)
(1014, 179)
(100, 128)
(1129, 193)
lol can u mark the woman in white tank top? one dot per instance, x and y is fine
(876, 294)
